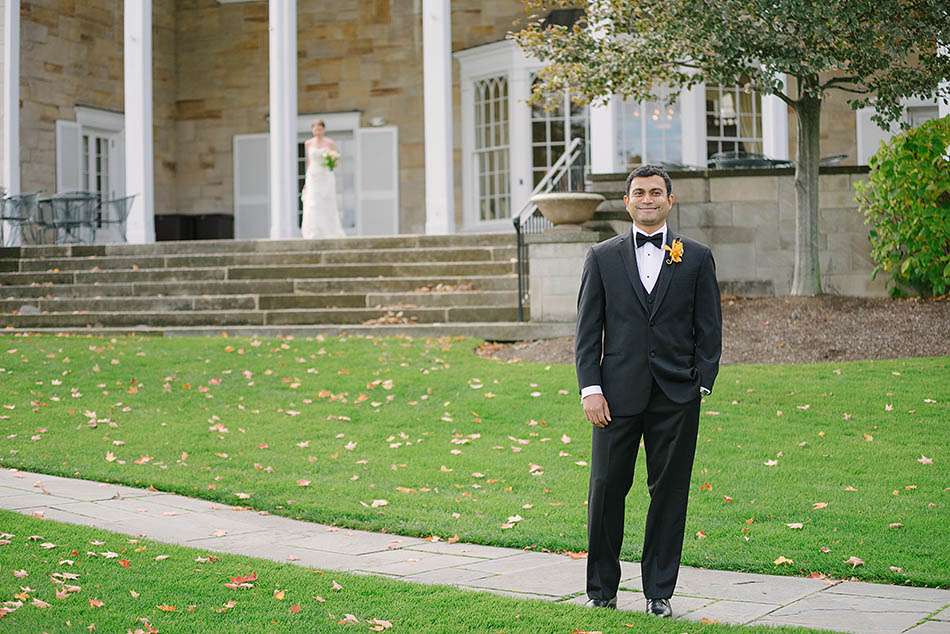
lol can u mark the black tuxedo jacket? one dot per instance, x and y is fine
(625, 337)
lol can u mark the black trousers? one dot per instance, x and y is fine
(669, 434)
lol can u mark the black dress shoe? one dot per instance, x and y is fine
(602, 603)
(659, 607)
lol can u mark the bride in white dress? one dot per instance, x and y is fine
(321, 216)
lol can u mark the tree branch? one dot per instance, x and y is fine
(840, 80)
(788, 100)
(857, 91)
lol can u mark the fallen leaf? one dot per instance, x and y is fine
(854, 561)
(782, 560)
(96, 603)
(795, 525)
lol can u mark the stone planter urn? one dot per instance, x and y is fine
(567, 210)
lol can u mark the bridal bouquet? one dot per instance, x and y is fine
(330, 159)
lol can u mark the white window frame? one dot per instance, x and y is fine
(552, 154)
(737, 139)
(108, 126)
(869, 136)
(482, 62)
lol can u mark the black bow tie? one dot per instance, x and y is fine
(656, 239)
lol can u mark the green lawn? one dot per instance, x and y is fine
(423, 437)
(119, 583)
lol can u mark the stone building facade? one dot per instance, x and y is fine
(210, 86)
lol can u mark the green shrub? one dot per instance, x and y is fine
(906, 204)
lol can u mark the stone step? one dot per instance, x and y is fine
(129, 262)
(133, 304)
(506, 282)
(334, 316)
(262, 287)
(391, 301)
(284, 272)
(408, 269)
(506, 238)
(489, 331)
(149, 289)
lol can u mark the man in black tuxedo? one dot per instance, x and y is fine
(649, 303)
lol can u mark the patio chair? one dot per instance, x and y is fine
(15, 212)
(113, 216)
(74, 216)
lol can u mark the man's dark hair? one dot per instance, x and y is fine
(650, 170)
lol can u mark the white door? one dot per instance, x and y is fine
(68, 156)
(377, 181)
(251, 186)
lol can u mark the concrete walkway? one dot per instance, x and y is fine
(727, 597)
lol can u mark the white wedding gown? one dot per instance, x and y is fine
(321, 216)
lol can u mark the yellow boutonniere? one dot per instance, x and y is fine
(676, 251)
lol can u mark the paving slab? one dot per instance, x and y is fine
(930, 627)
(352, 542)
(732, 612)
(742, 586)
(517, 562)
(938, 596)
(557, 579)
(264, 544)
(26, 500)
(850, 613)
(449, 576)
(405, 562)
(460, 548)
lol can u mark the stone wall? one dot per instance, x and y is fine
(211, 83)
(364, 56)
(749, 222)
(71, 54)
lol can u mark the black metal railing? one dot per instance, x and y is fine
(564, 175)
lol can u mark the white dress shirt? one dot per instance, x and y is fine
(649, 263)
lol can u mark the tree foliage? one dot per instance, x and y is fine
(877, 51)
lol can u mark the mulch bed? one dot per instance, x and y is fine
(798, 330)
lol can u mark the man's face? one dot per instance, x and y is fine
(647, 202)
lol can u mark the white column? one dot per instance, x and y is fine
(603, 117)
(282, 17)
(11, 96)
(693, 113)
(139, 153)
(943, 105)
(437, 95)
(775, 125)
(521, 182)
(603, 137)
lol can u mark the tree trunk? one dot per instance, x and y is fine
(807, 276)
